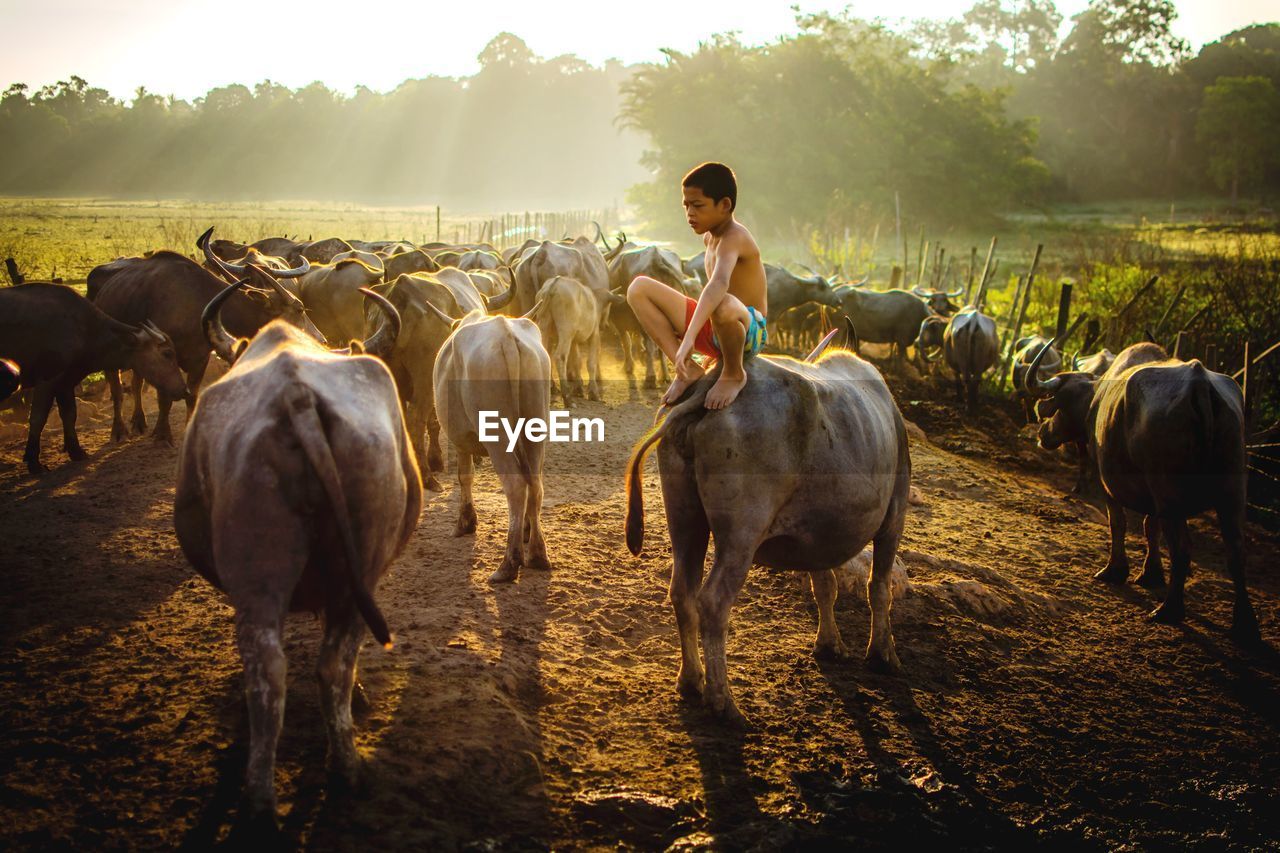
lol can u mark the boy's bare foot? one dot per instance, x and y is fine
(725, 391)
(684, 378)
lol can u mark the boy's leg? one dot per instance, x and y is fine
(730, 322)
(661, 312)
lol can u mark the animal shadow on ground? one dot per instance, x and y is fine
(733, 813)
(950, 810)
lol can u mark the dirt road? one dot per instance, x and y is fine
(1035, 706)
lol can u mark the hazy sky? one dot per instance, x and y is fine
(185, 48)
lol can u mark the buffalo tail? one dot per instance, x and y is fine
(305, 417)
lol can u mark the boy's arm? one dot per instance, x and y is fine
(726, 255)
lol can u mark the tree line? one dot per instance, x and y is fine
(951, 121)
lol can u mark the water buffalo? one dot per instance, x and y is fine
(170, 290)
(1168, 440)
(59, 338)
(297, 487)
(808, 465)
(1024, 350)
(498, 364)
(569, 314)
(788, 290)
(656, 263)
(884, 317)
(427, 307)
(971, 347)
(579, 259)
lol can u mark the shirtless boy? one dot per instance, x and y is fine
(728, 318)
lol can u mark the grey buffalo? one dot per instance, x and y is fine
(971, 348)
(297, 487)
(807, 466)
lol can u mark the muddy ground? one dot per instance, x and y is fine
(1036, 706)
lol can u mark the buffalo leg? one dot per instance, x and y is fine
(1173, 608)
(1117, 568)
(535, 545)
(715, 601)
(1244, 624)
(415, 417)
(573, 368)
(194, 377)
(516, 490)
(66, 398)
(1082, 474)
(162, 433)
(560, 358)
(687, 525)
(882, 655)
(651, 352)
(336, 672)
(594, 392)
(139, 420)
(118, 430)
(828, 645)
(258, 635)
(435, 453)
(628, 361)
(466, 506)
(41, 403)
(1152, 571)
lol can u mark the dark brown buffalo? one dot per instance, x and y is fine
(1168, 440)
(59, 338)
(171, 290)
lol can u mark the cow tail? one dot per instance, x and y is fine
(305, 417)
(1202, 405)
(635, 487)
(511, 353)
(635, 474)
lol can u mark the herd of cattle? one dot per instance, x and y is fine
(302, 469)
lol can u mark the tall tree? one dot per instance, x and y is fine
(1240, 121)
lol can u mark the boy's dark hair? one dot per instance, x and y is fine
(716, 180)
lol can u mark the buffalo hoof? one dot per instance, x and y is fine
(431, 484)
(435, 463)
(595, 395)
(77, 454)
(361, 707)
(1116, 573)
(466, 523)
(35, 466)
(539, 563)
(1244, 630)
(1151, 579)
(506, 573)
(1168, 614)
(118, 432)
(650, 383)
(346, 777)
(139, 426)
(831, 651)
(885, 662)
(727, 711)
(690, 686)
(256, 828)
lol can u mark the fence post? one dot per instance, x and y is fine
(437, 223)
(982, 283)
